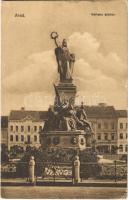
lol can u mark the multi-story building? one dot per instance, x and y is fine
(4, 130)
(24, 127)
(109, 126)
(104, 123)
(122, 132)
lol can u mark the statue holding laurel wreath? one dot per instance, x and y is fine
(65, 59)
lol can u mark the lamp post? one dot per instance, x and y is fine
(109, 146)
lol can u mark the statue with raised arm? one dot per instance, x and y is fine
(65, 59)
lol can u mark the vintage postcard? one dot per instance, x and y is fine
(64, 121)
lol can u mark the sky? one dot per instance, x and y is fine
(99, 43)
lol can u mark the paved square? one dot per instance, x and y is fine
(38, 192)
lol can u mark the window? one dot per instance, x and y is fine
(16, 128)
(113, 136)
(11, 128)
(113, 149)
(11, 138)
(121, 125)
(28, 139)
(126, 148)
(126, 125)
(121, 135)
(40, 128)
(121, 148)
(22, 128)
(112, 125)
(22, 138)
(99, 136)
(28, 128)
(99, 126)
(35, 138)
(35, 128)
(106, 136)
(16, 138)
(106, 125)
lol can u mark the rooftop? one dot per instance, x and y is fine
(100, 111)
(122, 113)
(22, 114)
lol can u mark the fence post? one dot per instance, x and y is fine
(32, 170)
(54, 174)
(72, 172)
(76, 170)
(115, 171)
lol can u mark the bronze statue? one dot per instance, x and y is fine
(83, 122)
(65, 59)
(64, 117)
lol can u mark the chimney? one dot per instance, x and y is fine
(102, 104)
(22, 108)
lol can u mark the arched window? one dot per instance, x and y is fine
(126, 148)
(99, 136)
(28, 128)
(22, 138)
(22, 128)
(121, 135)
(105, 136)
(35, 128)
(112, 136)
(11, 128)
(16, 128)
(11, 137)
(121, 148)
(35, 138)
(40, 128)
(16, 138)
(121, 125)
(28, 139)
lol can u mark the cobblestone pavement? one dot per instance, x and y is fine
(40, 192)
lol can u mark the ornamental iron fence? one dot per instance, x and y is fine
(53, 171)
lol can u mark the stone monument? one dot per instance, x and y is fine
(66, 127)
(65, 62)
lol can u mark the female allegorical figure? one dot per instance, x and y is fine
(65, 59)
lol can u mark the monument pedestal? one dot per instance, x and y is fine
(65, 127)
(63, 139)
(67, 91)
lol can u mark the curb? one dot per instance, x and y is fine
(61, 184)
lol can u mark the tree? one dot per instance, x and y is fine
(16, 151)
(4, 154)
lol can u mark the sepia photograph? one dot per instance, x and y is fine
(64, 124)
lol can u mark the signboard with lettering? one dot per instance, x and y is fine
(57, 171)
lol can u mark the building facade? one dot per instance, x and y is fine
(4, 130)
(24, 127)
(104, 123)
(109, 126)
(122, 132)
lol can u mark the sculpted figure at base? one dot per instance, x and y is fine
(64, 117)
(65, 59)
(84, 124)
